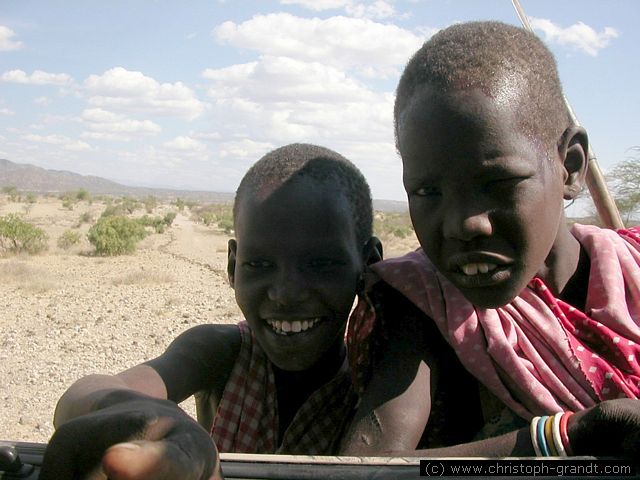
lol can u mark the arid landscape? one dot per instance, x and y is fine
(67, 312)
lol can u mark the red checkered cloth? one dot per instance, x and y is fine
(247, 417)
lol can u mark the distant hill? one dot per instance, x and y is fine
(29, 178)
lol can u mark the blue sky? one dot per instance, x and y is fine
(190, 94)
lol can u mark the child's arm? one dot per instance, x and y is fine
(396, 405)
(161, 440)
(390, 421)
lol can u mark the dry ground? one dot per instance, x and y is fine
(65, 314)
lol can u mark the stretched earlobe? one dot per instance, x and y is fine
(231, 261)
(372, 251)
(573, 150)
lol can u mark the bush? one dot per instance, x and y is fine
(17, 235)
(113, 211)
(129, 204)
(83, 195)
(150, 203)
(157, 223)
(12, 192)
(85, 218)
(218, 215)
(116, 235)
(68, 239)
(169, 218)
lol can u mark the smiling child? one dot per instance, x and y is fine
(278, 382)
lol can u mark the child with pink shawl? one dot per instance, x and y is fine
(545, 317)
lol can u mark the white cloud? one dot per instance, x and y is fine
(281, 100)
(38, 77)
(61, 140)
(6, 40)
(578, 36)
(377, 9)
(44, 101)
(122, 89)
(186, 144)
(318, 5)
(346, 43)
(6, 111)
(105, 125)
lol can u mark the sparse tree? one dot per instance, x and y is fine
(624, 179)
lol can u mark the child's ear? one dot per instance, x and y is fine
(231, 261)
(574, 153)
(372, 251)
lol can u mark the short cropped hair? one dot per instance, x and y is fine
(318, 163)
(492, 56)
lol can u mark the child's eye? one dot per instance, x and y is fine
(323, 262)
(257, 264)
(504, 183)
(427, 192)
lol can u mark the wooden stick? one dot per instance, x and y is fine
(606, 207)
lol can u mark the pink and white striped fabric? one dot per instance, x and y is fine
(537, 354)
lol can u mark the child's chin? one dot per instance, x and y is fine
(489, 297)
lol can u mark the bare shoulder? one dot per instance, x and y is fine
(199, 359)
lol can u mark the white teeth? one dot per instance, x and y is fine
(284, 327)
(473, 268)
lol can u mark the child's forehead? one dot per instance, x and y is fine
(297, 196)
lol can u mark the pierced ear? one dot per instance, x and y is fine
(573, 150)
(232, 247)
(372, 251)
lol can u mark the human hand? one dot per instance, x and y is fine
(611, 428)
(133, 438)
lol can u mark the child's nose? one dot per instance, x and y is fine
(288, 287)
(466, 220)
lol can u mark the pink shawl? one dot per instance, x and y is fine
(538, 354)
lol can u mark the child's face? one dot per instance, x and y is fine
(486, 203)
(297, 264)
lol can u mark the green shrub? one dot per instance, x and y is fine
(116, 235)
(179, 203)
(216, 215)
(83, 195)
(12, 192)
(18, 235)
(150, 203)
(157, 223)
(169, 218)
(31, 197)
(113, 211)
(85, 218)
(129, 204)
(68, 239)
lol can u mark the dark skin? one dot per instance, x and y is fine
(295, 266)
(477, 187)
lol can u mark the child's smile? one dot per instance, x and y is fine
(291, 327)
(295, 270)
